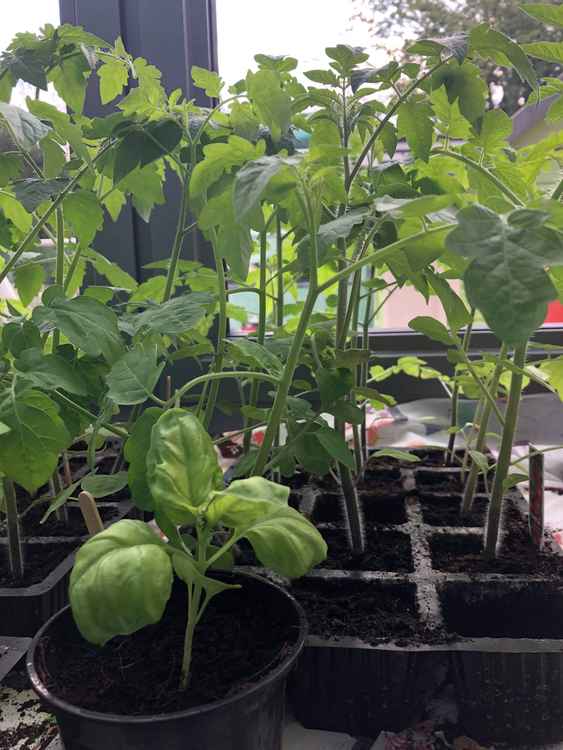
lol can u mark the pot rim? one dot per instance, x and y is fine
(58, 704)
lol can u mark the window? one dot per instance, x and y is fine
(303, 30)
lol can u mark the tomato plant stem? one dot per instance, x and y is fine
(505, 453)
(471, 483)
(15, 553)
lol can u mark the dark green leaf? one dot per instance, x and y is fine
(89, 325)
(433, 329)
(133, 378)
(29, 281)
(102, 485)
(506, 280)
(415, 124)
(50, 371)
(177, 316)
(30, 451)
(31, 192)
(494, 44)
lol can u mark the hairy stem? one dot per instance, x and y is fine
(480, 443)
(261, 332)
(505, 453)
(282, 392)
(455, 394)
(15, 551)
(177, 244)
(221, 334)
(513, 198)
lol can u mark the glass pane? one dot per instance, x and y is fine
(303, 29)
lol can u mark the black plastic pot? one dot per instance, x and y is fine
(23, 610)
(250, 720)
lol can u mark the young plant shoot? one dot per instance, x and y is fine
(122, 578)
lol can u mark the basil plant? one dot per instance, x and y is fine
(122, 578)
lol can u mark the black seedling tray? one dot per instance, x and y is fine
(493, 642)
(23, 610)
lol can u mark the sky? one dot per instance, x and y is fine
(301, 28)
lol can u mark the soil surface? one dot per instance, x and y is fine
(39, 559)
(376, 508)
(444, 481)
(31, 523)
(241, 639)
(445, 511)
(385, 550)
(372, 613)
(464, 554)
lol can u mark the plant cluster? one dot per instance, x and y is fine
(341, 218)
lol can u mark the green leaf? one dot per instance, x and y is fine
(27, 129)
(61, 122)
(336, 446)
(506, 279)
(113, 273)
(69, 78)
(142, 146)
(30, 451)
(283, 539)
(29, 281)
(11, 166)
(85, 215)
(186, 568)
(496, 128)
(146, 188)
(31, 192)
(548, 51)
(333, 384)
(234, 244)
(322, 76)
(102, 485)
(177, 316)
(347, 412)
(54, 157)
(252, 180)
(136, 450)
(433, 329)
(457, 313)
(481, 460)
(133, 378)
(60, 500)
(415, 124)
(513, 479)
(182, 466)
(553, 368)
(255, 355)
(464, 85)
(15, 212)
(550, 14)
(114, 76)
(497, 46)
(221, 158)
(272, 103)
(104, 603)
(457, 45)
(346, 56)
(89, 325)
(394, 453)
(50, 371)
(207, 80)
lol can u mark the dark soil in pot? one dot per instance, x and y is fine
(240, 640)
(445, 511)
(355, 609)
(31, 525)
(377, 509)
(40, 559)
(385, 550)
(445, 481)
